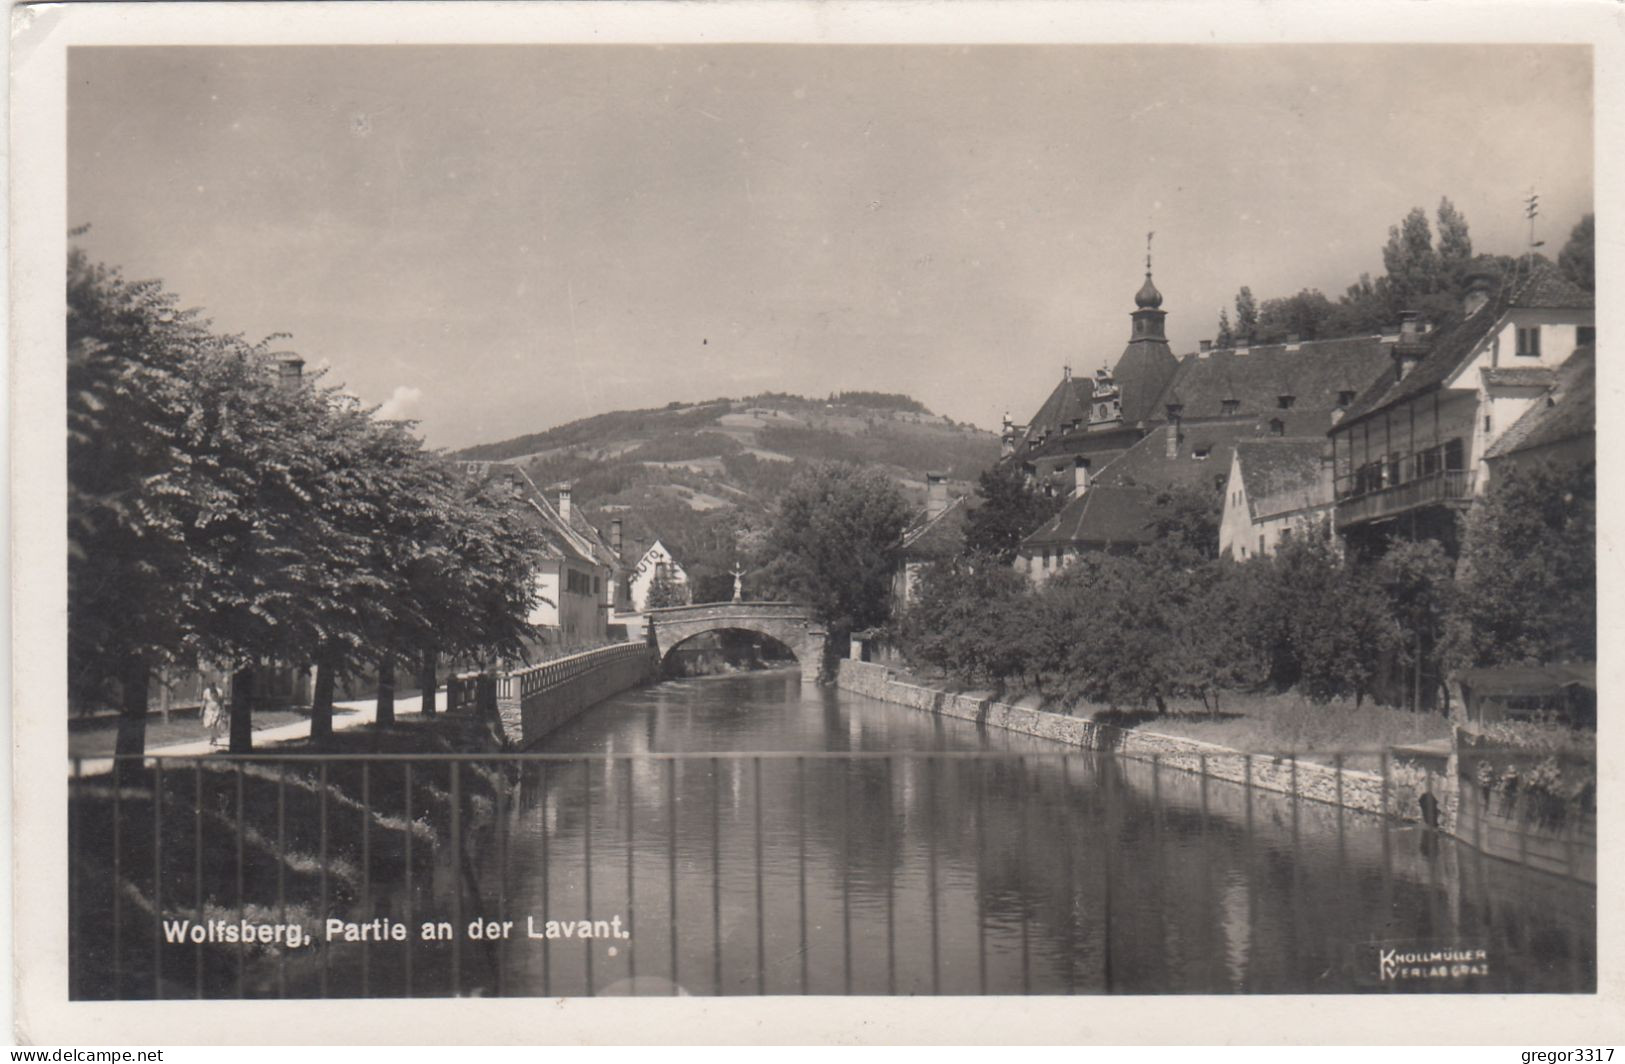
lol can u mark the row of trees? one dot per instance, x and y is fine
(1426, 268)
(1175, 620)
(221, 513)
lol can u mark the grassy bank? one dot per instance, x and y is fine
(285, 843)
(1259, 723)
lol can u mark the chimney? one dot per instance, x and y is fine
(615, 535)
(290, 370)
(1478, 293)
(564, 503)
(1066, 373)
(936, 494)
(1410, 348)
(1172, 440)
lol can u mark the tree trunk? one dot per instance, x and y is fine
(242, 710)
(132, 722)
(428, 681)
(321, 705)
(386, 690)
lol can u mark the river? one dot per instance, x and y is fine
(931, 871)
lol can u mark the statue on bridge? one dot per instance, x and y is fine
(739, 587)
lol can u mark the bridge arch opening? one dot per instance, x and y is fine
(721, 651)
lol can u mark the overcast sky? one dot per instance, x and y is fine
(496, 240)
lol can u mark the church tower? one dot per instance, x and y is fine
(1147, 365)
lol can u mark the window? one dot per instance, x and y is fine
(1486, 424)
(1454, 454)
(1201, 451)
(1277, 427)
(1046, 557)
(1286, 534)
(1261, 543)
(1585, 336)
(1285, 402)
(1529, 342)
(1229, 406)
(1345, 398)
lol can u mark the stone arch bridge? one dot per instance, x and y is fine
(789, 623)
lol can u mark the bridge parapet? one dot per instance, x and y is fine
(790, 623)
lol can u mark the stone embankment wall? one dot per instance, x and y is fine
(1350, 788)
(533, 702)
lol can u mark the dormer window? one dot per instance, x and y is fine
(1529, 342)
(1284, 402)
(1201, 451)
(1345, 399)
(1174, 410)
(1229, 406)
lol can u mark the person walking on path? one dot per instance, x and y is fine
(214, 714)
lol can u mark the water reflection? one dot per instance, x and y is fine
(918, 874)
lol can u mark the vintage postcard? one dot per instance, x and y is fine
(838, 522)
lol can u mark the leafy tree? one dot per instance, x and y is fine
(834, 544)
(1226, 336)
(1330, 618)
(130, 357)
(1246, 316)
(1455, 244)
(966, 619)
(1527, 579)
(1577, 260)
(664, 591)
(1303, 315)
(1010, 510)
(1409, 258)
(1417, 580)
(217, 514)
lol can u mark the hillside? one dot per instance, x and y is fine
(700, 475)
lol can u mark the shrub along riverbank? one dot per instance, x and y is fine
(250, 841)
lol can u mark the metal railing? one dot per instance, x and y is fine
(315, 875)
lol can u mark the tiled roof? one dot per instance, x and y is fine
(1102, 516)
(1313, 373)
(1069, 402)
(1568, 412)
(1520, 376)
(1548, 289)
(559, 544)
(940, 536)
(1282, 475)
(1142, 373)
(1147, 465)
(1456, 337)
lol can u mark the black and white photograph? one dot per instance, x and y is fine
(705, 518)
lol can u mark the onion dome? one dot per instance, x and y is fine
(1148, 298)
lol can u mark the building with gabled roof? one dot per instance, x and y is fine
(937, 533)
(1106, 518)
(573, 577)
(1410, 453)
(1561, 427)
(1276, 488)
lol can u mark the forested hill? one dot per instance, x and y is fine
(694, 473)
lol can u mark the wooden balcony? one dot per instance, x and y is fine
(1447, 487)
